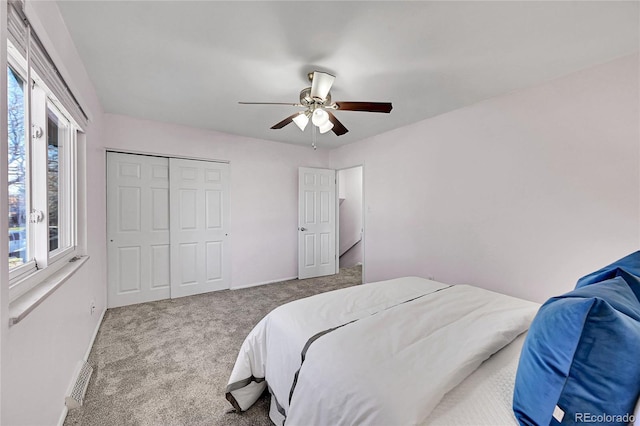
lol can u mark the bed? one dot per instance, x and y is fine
(402, 351)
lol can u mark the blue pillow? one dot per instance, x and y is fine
(628, 268)
(581, 358)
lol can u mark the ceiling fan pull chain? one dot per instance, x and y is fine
(314, 137)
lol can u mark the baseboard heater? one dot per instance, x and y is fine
(80, 387)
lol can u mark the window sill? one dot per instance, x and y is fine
(23, 305)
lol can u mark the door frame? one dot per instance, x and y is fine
(364, 225)
(162, 154)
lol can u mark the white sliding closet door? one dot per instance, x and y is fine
(199, 199)
(137, 228)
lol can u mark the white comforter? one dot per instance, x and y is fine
(380, 353)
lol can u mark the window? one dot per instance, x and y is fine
(18, 185)
(41, 179)
(58, 133)
(53, 177)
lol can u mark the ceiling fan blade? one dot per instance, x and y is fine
(284, 122)
(321, 84)
(268, 103)
(365, 106)
(338, 127)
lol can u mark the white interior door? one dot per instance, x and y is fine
(137, 228)
(199, 227)
(316, 222)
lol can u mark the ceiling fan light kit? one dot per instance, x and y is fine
(325, 127)
(301, 120)
(318, 105)
(320, 117)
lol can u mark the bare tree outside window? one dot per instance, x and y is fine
(17, 170)
(53, 178)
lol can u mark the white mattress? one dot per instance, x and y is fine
(484, 397)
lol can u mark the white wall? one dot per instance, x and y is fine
(353, 257)
(350, 192)
(41, 352)
(521, 194)
(264, 189)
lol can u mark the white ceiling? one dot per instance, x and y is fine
(191, 62)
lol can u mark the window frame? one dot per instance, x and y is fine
(43, 263)
(67, 170)
(18, 66)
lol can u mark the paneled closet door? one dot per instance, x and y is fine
(199, 194)
(316, 222)
(137, 229)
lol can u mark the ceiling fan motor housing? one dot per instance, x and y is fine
(307, 100)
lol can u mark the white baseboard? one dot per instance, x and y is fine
(63, 416)
(65, 410)
(95, 333)
(263, 283)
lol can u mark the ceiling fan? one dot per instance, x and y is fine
(316, 100)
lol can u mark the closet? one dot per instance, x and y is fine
(167, 227)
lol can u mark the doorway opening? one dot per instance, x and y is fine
(351, 218)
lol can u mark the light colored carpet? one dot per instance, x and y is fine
(168, 362)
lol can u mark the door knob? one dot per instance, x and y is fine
(302, 229)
